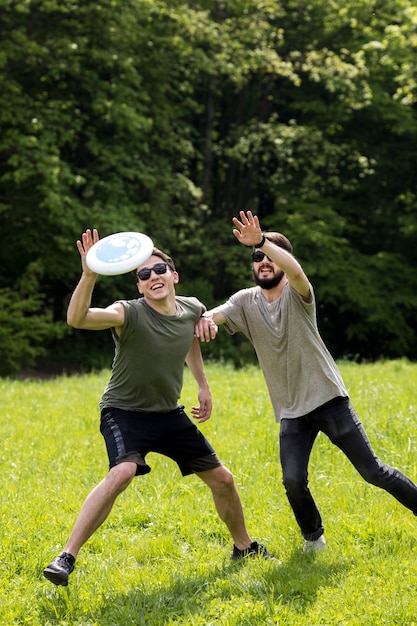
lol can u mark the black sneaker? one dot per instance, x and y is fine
(255, 549)
(60, 568)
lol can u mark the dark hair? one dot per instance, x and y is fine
(167, 259)
(279, 240)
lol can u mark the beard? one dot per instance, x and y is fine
(269, 283)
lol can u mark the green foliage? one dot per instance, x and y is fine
(25, 329)
(170, 118)
(162, 556)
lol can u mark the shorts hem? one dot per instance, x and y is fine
(134, 457)
(202, 464)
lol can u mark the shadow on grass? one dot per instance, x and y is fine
(202, 598)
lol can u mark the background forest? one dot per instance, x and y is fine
(170, 117)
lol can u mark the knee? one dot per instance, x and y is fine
(223, 480)
(376, 474)
(120, 476)
(295, 484)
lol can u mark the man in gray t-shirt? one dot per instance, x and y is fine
(306, 389)
(154, 338)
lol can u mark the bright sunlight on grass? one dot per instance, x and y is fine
(162, 557)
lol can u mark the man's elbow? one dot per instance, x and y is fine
(74, 322)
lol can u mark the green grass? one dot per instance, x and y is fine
(162, 557)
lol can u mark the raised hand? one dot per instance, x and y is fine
(88, 239)
(248, 230)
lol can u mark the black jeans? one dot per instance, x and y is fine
(339, 421)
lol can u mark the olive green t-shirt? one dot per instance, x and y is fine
(148, 364)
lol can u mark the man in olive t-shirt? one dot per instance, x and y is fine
(154, 338)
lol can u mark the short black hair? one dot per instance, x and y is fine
(167, 259)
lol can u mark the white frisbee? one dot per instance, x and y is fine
(119, 253)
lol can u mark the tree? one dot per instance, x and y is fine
(309, 121)
(171, 117)
(26, 329)
(88, 133)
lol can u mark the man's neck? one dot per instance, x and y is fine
(167, 306)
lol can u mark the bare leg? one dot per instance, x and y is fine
(227, 501)
(98, 505)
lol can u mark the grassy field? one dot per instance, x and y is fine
(162, 557)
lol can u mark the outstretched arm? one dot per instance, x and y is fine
(194, 361)
(248, 232)
(79, 313)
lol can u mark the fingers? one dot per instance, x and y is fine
(205, 329)
(204, 419)
(246, 219)
(88, 239)
(247, 228)
(201, 413)
(199, 331)
(80, 247)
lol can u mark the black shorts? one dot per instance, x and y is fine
(130, 435)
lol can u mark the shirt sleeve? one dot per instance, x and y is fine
(233, 311)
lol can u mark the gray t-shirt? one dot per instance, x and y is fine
(148, 364)
(299, 371)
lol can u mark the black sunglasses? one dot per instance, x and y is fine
(259, 256)
(158, 268)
